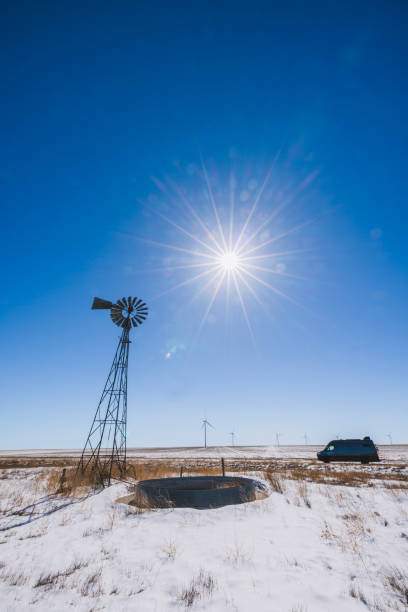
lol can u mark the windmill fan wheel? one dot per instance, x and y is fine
(129, 312)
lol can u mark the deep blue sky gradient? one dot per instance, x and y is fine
(100, 97)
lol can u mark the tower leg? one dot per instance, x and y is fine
(104, 453)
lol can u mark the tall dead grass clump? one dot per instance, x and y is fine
(304, 494)
(91, 586)
(70, 480)
(170, 550)
(15, 579)
(73, 480)
(397, 581)
(356, 593)
(189, 595)
(143, 502)
(201, 586)
(275, 481)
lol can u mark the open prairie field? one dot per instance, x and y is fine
(327, 537)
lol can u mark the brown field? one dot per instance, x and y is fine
(390, 474)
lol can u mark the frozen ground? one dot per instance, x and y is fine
(312, 548)
(394, 452)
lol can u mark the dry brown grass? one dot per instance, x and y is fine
(201, 586)
(350, 535)
(356, 593)
(91, 586)
(237, 554)
(189, 595)
(275, 481)
(303, 492)
(47, 581)
(397, 581)
(364, 476)
(169, 550)
(68, 482)
(15, 579)
(36, 462)
(392, 476)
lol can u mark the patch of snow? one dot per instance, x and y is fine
(276, 554)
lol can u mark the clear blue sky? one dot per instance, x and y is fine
(102, 98)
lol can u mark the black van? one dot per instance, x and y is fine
(350, 450)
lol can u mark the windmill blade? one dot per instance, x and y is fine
(117, 319)
(208, 423)
(122, 310)
(99, 304)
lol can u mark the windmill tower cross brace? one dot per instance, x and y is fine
(105, 446)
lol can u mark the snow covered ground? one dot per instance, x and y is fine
(395, 452)
(313, 548)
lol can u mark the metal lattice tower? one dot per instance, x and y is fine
(105, 447)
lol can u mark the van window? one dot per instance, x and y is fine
(330, 448)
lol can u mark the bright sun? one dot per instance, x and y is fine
(229, 260)
(229, 254)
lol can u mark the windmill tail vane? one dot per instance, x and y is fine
(104, 453)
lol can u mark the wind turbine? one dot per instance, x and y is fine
(389, 436)
(232, 438)
(205, 424)
(277, 439)
(305, 438)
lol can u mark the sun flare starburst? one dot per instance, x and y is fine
(226, 246)
(229, 261)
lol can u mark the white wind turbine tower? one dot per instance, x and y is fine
(232, 438)
(305, 438)
(389, 436)
(277, 439)
(205, 424)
